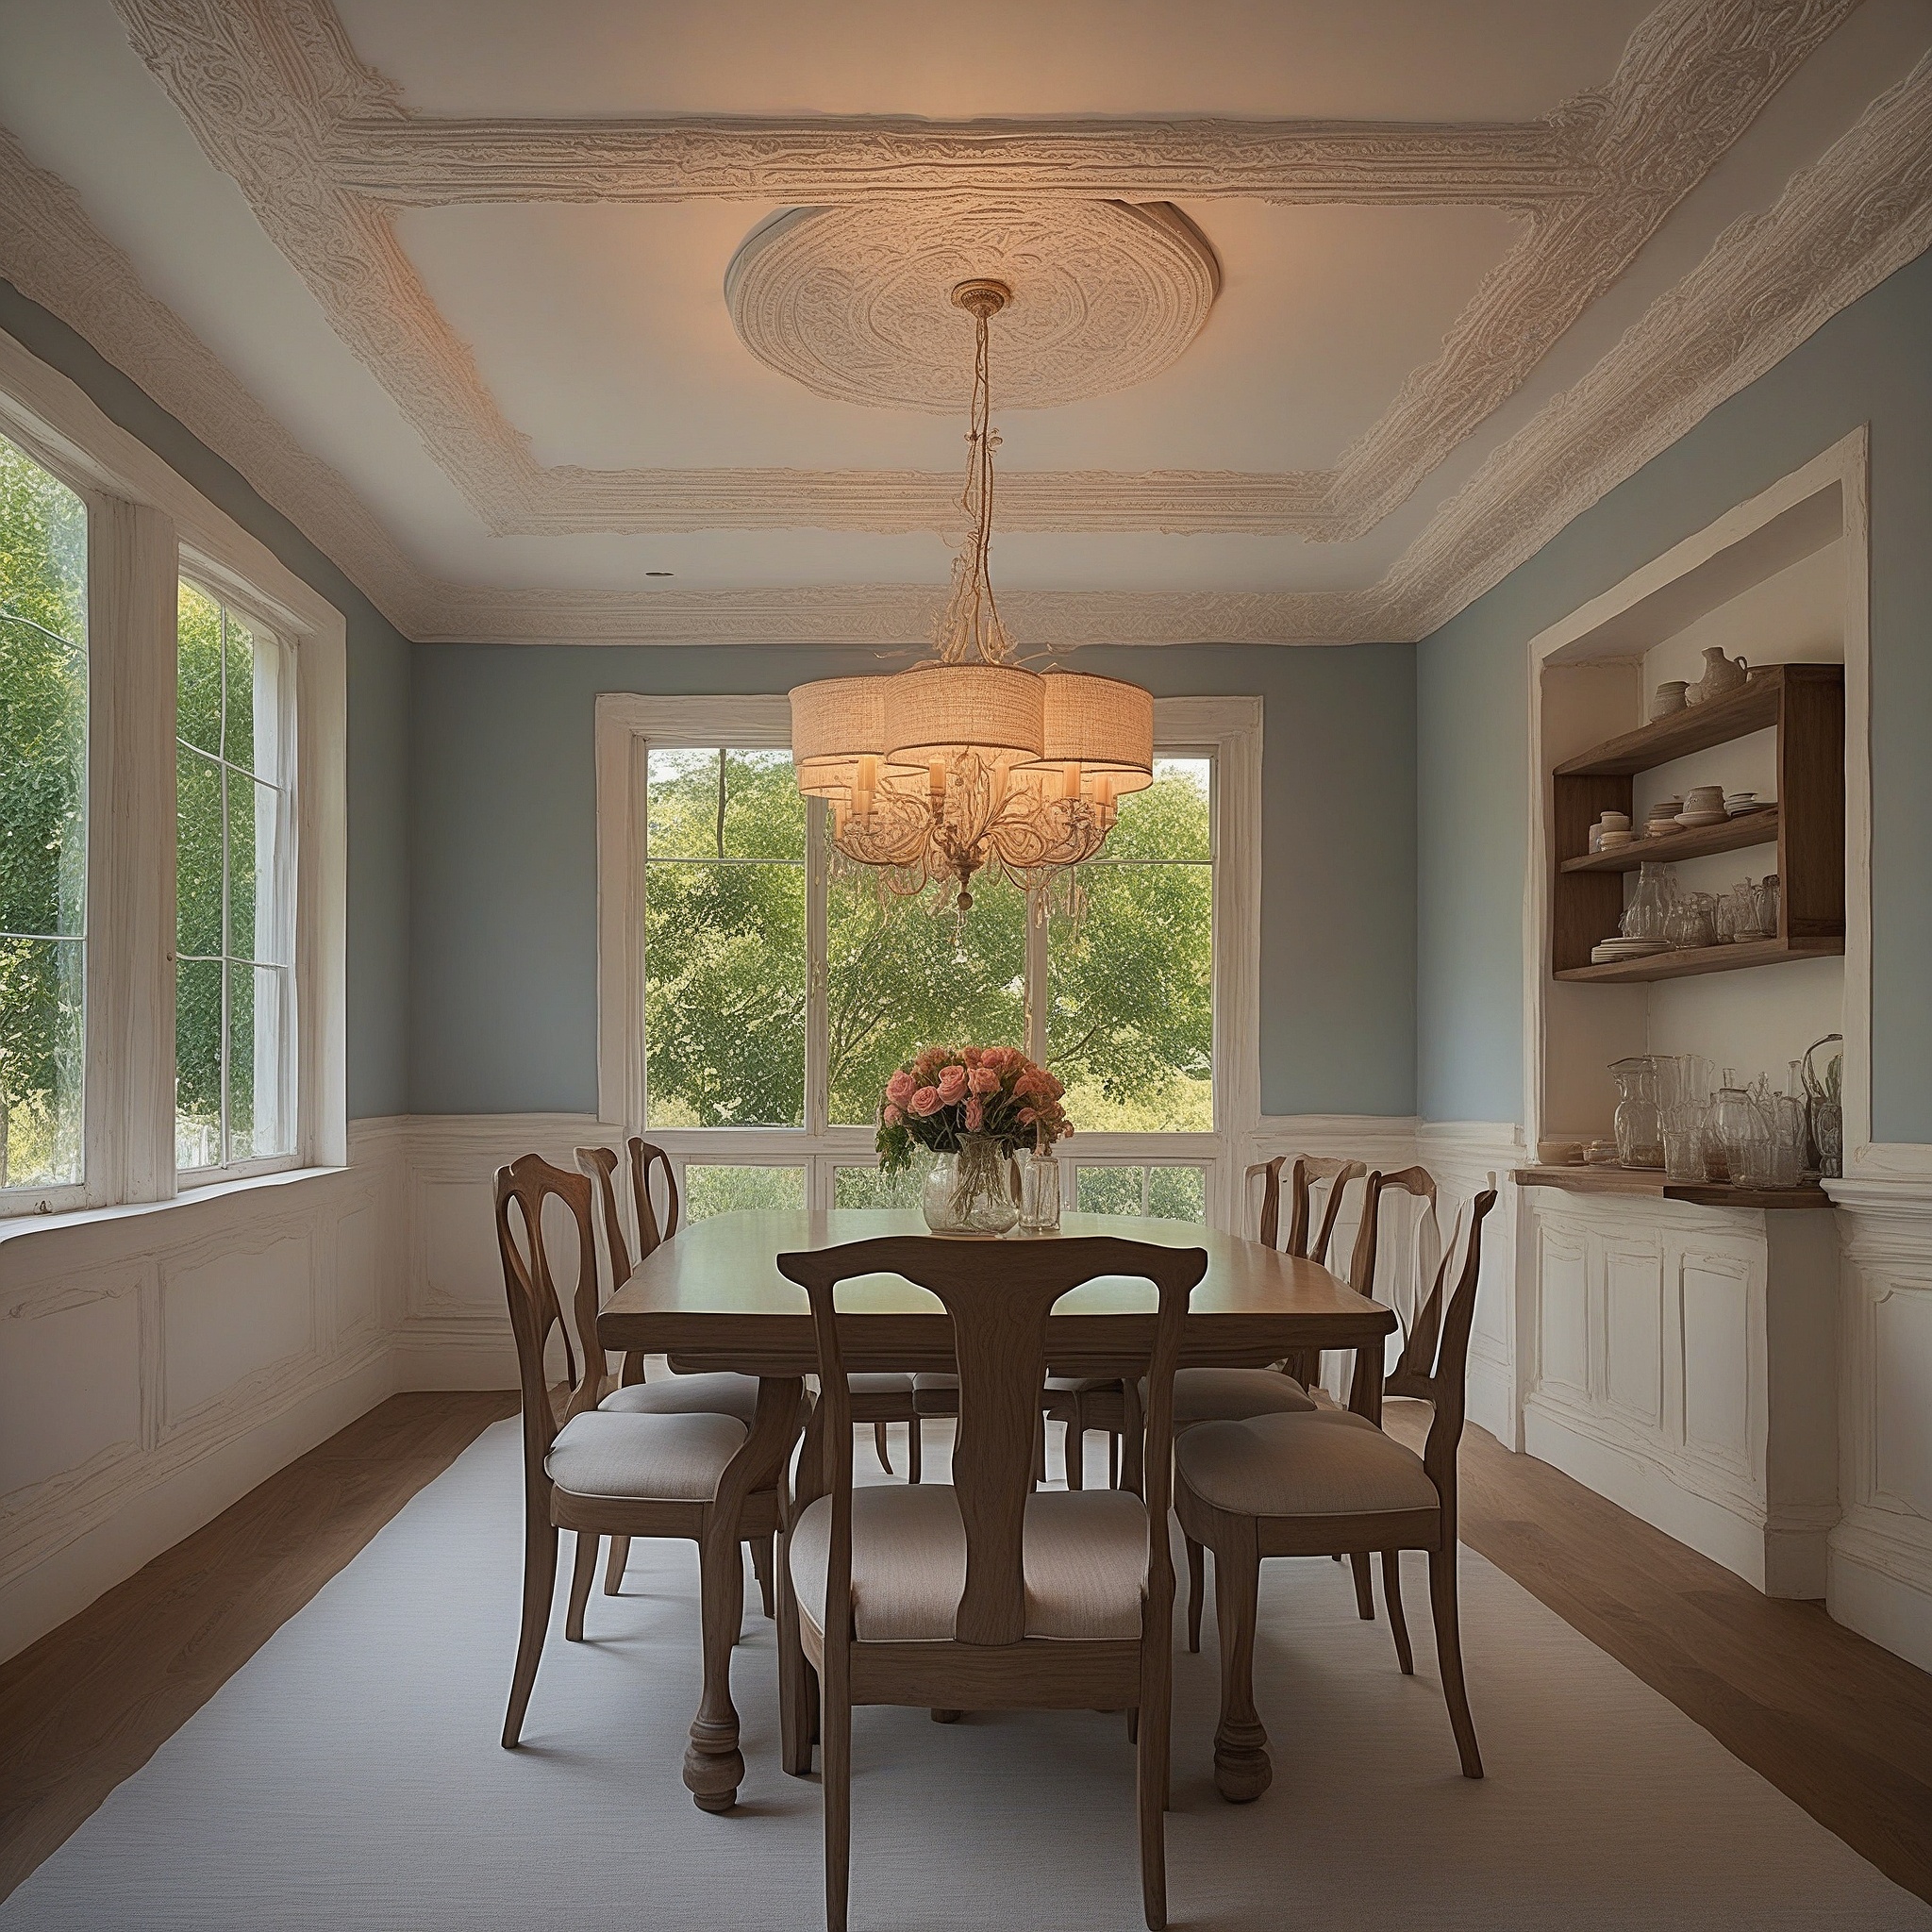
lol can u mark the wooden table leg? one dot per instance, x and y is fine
(1241, 1770)
(713, 1768)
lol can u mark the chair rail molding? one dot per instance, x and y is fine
(326, 150)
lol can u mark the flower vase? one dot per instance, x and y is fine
(970, 1191)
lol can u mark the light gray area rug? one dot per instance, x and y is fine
(350, 1776)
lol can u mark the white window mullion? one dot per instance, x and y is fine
(130, 1111)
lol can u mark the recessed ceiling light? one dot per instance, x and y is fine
(661, 573)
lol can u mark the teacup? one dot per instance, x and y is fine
(1705, 798)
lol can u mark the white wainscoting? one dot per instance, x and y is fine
(1679, 1360)
(157, 1362)
(1880, 1576)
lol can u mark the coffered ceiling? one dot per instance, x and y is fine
(1397, 288)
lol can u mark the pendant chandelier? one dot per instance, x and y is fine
(971, 762)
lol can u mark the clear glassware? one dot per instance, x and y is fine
(1744, 1136)
(1784, 1115)
(1686, 1133)
(1040, 1193)
(1747, 905)
(1766, 898)
(970, 1191)
(1824, 1100)
(1648, 912)
(1639, 1131)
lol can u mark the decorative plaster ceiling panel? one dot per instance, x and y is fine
(855, 302)
(599, 330)
(1592, 184)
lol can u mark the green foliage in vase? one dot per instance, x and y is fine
(42, 819)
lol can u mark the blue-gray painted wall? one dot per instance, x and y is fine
(503, 868)
(1872, 363)
(378, 699)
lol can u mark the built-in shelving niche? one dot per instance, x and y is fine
(1770, 582)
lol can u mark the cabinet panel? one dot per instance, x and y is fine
(1563, 1312)
(1633, 1333)
(1716, 1360)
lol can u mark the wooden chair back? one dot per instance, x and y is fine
(999, 1300)
(1416, 1181)
(535, 1305)
(1305, 1172)
(644, 1156)
(1435, 1349)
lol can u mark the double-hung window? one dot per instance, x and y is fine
(171, 858)
(758, 990)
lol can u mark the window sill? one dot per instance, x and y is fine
(27, 1222)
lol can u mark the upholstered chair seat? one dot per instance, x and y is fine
(1085, 1562)
(721, 1393)
(659, 1458)
(881, 1383)
(1215, 1395)
(1328, 1463)
(936, 1393)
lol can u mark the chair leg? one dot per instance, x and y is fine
(1364, 1586)
(1075, 1454)
(1241, 1770)
(878, 1444)
(583, 1574)
(1391, 1592)
(539, 1590)
(613, 1569)
(1449, 1658)
(915, 1449)
(1150, 1782)
(1197, 1591)
(835, 1727)
(761, 1569)
(1113, 1461)
(795, 1701)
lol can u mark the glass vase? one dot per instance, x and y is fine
(1040, 1193)
(970, 1191)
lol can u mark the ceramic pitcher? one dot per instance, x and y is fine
(1722, 675)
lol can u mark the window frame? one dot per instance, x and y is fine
(148, 527)
(629, 725)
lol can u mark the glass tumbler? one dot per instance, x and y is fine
(1040, 1193)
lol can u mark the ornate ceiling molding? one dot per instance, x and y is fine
(54, 256)
(273, 91)
(1840, 226)
(854, 302)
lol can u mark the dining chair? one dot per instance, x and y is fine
(711, 1393)
(595, 1470)
(983, 1593)
(1364, 1261)
(1330, 1482)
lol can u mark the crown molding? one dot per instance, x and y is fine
(1840, 226)
(273, 91)
(55, 257)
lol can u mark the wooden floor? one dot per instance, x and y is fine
(1842, 1727)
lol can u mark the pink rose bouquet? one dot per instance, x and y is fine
(946, 1092)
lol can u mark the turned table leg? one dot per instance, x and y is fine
(713, 1767)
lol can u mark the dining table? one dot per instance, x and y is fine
(711, 1297)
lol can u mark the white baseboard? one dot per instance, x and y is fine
(63, 1584)
(1869, 1598)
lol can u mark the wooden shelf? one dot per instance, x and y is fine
(1651, 1182)
(1696, 727)
(1747, 828)
(1705, 960)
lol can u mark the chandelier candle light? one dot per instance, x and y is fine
(971, 762)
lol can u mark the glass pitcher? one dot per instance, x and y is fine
(1639, 1129)
(1647, 916)
(1745, 1135)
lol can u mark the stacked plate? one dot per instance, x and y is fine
(1738, 802)
(1612, 951)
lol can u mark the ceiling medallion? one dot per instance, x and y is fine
(852, 301)
(971, 762)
